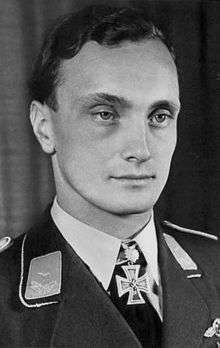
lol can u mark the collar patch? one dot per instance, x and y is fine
(181, 256)
(44, 276)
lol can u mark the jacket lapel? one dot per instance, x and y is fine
(185, 314)
(81, 313)
(87, 317)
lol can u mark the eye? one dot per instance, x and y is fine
(105, 117)
(160, 119)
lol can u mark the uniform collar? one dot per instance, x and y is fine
(100, 250)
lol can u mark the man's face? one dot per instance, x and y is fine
(115, 128)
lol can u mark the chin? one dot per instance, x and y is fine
(128, 207)
(134, 200)
(128, 210)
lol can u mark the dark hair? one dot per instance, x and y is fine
(108, 26)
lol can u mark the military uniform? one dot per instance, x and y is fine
(50, 298)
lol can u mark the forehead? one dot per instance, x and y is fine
(132, 70)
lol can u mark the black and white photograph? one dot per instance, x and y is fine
(110, 173)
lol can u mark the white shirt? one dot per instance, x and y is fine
(100, 250)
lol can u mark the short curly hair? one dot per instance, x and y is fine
(108, 26)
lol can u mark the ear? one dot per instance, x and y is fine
(40, 117)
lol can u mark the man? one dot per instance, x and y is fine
(100, 270)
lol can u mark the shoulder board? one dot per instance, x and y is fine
(187, 230)
(5, 243)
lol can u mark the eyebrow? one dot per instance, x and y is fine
(100, 98)
(166, 104)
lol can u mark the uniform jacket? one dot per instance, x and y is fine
(82, 315)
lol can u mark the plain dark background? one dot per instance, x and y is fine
(192, 195)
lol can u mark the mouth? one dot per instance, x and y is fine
(135, 177)
(134, 180)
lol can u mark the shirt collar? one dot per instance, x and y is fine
(100, 250)
(147, 241)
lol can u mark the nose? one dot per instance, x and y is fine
(136, 148)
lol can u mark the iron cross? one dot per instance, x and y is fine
(133, 285)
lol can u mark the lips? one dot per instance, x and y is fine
(135, 177)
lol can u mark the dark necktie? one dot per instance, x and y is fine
(129, 290)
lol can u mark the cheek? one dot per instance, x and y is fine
(81, 154)
(164, 152)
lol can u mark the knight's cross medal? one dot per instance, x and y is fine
(132, 284)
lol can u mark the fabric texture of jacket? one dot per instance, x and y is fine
(81, 313)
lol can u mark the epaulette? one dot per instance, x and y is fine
(5, 243)
(187, 230)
